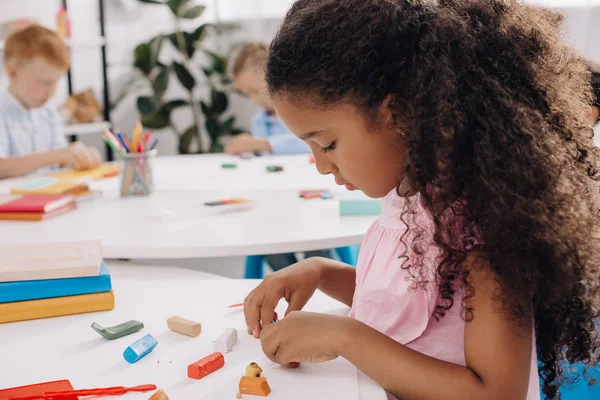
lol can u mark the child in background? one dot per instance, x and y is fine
(31, 135)
(471, 119)
(269, 134)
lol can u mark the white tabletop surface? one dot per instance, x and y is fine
(204, 172)
(173, 223)
(67, 348)
(177, 225)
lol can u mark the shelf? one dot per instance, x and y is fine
(77, 44)
(86, 129)
(87, 43)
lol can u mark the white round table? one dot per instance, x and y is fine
(205, 172)
(177, 225)
(173, 222)
(67, 348)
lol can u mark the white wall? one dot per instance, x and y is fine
(129, 22)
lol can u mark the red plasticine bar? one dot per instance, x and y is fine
(205, 366)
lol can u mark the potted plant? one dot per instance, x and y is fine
(209, 112)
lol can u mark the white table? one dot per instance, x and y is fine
(204, 172)
(67, 348)
(176, 225)
(172, 223)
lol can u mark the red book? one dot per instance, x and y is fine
(36, 216)
(36, 203)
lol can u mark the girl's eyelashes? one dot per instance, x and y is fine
(328, 148)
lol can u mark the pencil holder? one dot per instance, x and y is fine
(136, 173)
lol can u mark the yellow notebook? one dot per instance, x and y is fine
(105, 170)
(47, 185)
(46, 308)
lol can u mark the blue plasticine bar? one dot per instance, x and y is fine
(360, 207)
(139, 349)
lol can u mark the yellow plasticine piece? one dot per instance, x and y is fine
(253, 370)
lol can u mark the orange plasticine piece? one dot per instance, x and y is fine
(205, 366)
(160, 395)
(254, 386)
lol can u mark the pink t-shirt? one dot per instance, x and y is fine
(387, 299)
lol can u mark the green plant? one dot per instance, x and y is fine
(209, 112)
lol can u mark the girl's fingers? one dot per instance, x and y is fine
(266, 314)
(295, 303)
(267, 309)
(252, 312)
(270, 344)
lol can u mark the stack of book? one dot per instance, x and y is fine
(53, 279)
(35, 207)
(55, 186)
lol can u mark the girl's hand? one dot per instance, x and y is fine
(296, 284)
(303, 337)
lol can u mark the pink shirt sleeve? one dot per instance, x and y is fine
(387, 297)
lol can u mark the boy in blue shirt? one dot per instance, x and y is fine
(31, 134)
(269, 135)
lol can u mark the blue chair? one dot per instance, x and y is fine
(255, 264)
(580, 390)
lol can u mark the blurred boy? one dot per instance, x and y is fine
(269, 134)
(31, 134)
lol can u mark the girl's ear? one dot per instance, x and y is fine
(385, 112)
(405, 188)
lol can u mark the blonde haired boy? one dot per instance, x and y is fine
(269, 135)
(31, 134)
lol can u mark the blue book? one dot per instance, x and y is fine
(50, 288)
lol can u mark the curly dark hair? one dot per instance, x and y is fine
(495, 111)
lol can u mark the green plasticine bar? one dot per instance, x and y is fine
(274, 168)
(118, 331)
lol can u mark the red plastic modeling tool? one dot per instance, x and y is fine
(111, 391)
